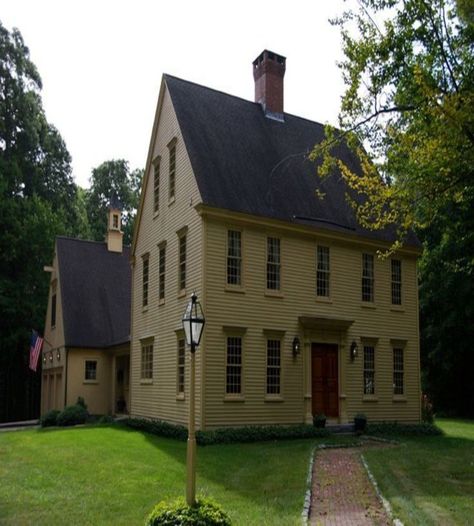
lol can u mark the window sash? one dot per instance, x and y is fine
(273, 263)
(398, 371)
(323, 272)
(145, 278)
(156, 187)
(234, 257)
(273, 367)
(90, 370)
(367, 277)
(172, 173)
(182, 262)
(147, 361)
(369, 370)
(234, 365)
(396, 282)
(162, 273)
(181, 366)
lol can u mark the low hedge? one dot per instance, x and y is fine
(205, 512)
(228, 435)
(397, 429)
(72, 415)
(50, 418)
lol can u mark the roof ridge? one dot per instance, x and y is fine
(167, 75)
(69, 238)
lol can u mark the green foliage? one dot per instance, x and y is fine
(72, 415)
(37, 202)
(81, 402)
(205, 512)
(427, 414)
(113, 177)
(396, 429)
(228, 435)
(157, 427)
(409, 100)
(106, 419)
(50, 418)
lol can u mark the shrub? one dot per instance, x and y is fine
(427, 414)
(50, 418)
(319, 420)
(228, 435)
(106, 419)
(204, 512)
(397, 429)
(360, 423)
(81, 402)
(72, 415)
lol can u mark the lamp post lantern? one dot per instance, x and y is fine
(193, 324)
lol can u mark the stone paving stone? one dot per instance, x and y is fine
(342, 494)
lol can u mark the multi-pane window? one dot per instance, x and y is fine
(147, 361)
(156, 186)
(234, 257)
(145, 278)
(172, 173)
(367, 277)
(161, 272)
(90, 370)
(273, 263)
(322, 273)
(396, 282)
(273, 367)
(182, 262)
(398, 371)
(234, 365)
(181, 365)
(53, 310)
(369, 370)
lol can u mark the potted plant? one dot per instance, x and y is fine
(360, 423)
(319, 420)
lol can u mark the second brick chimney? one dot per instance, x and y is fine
(268, 72)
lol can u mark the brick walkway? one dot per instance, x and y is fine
(342, 494)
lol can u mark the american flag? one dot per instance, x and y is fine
(35, 349)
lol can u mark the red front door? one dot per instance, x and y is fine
(325, 389)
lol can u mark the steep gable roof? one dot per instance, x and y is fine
(95, 289)
(246, 162)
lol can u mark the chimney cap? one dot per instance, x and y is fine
(269, 55)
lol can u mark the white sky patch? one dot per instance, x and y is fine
(101, 62)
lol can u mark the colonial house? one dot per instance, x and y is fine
(86, 350)
(302, 317)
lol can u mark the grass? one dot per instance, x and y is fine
(429, 480)
(111, 475)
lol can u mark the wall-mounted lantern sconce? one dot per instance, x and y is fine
(58, 356)
(296, 346)
(44, 359)
(353, 350)
(50, 356)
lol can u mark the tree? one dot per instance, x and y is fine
(408, 110)
(36, 193)
(408, 114)
(113, 177)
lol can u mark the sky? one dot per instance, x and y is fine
(101, 62)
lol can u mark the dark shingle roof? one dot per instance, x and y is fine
(246, 162)
(95, 292)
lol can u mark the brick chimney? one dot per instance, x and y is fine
(268, 72)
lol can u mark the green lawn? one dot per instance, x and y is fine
(429, 480)
(110, 475)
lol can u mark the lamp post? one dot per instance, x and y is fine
(193, 323)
